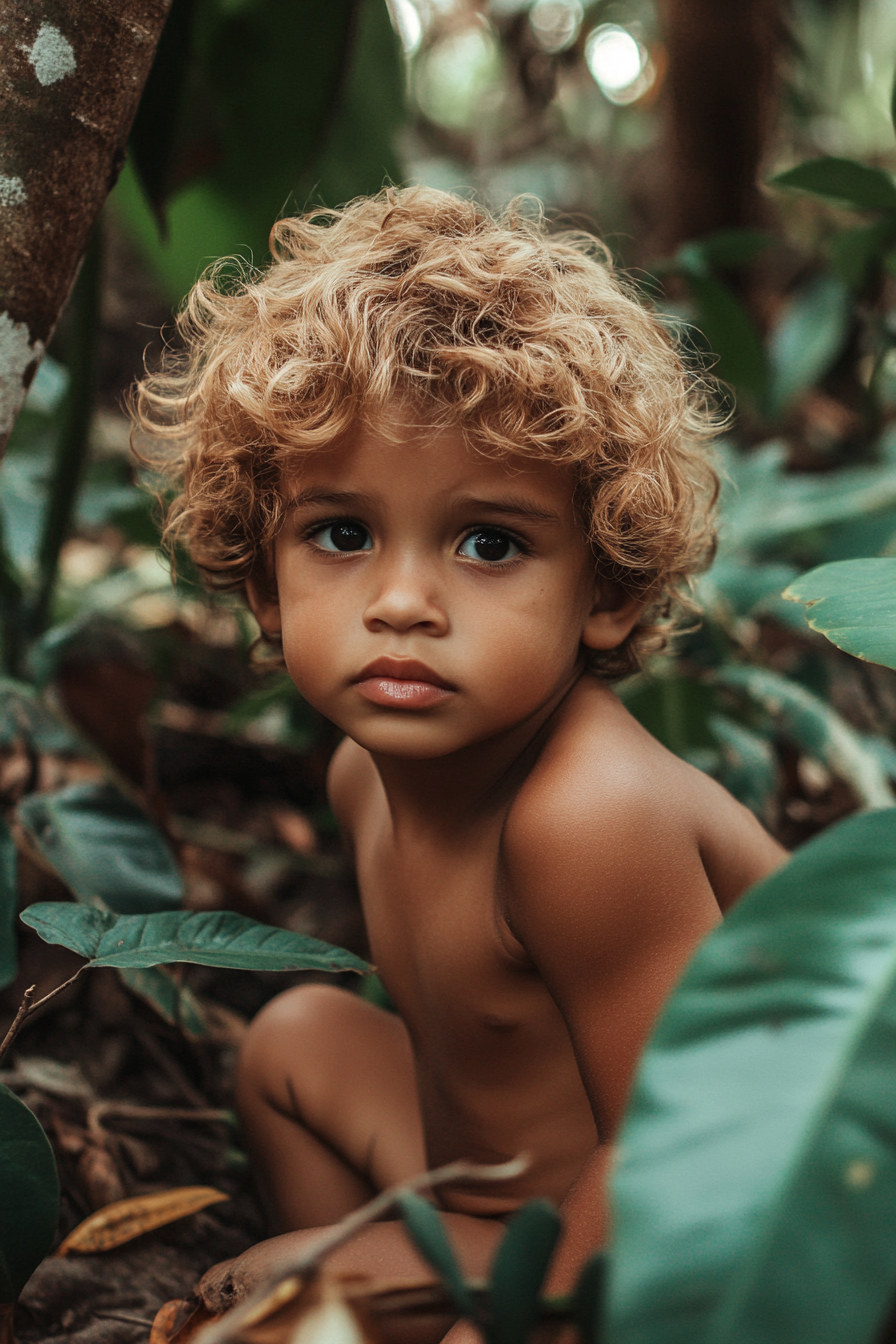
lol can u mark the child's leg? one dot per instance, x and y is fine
(328, 1100)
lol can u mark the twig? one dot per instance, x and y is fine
(122, 1316)
(221, 1332)
(128, 1110)
(26, 1007)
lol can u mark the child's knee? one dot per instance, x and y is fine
(297, 1026)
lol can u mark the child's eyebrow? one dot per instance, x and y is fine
(509, 506)
(340, 499)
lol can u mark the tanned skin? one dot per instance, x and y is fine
(535, 869)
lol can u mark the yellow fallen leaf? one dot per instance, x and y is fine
(128, 1218)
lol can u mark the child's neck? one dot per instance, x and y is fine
(443, 794)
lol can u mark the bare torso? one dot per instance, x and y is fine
(496, 1070)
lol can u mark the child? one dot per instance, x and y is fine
(457, 471)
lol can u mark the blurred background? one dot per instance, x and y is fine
(675, 130)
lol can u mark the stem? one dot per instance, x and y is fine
(26, 1008)
(72, 446)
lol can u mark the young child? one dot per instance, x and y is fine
(458, 472)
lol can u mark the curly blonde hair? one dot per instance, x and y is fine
(529, 341)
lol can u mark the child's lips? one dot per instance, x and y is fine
(402, 683)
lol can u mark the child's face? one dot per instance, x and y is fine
(429, 597)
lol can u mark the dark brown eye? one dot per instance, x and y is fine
(347, 536)
(488, 543)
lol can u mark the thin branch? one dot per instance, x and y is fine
(223, 1331)
(97, 1113)
(26, 1007)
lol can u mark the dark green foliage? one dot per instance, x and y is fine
(8, 906)
(758, 1160)
(843, 181)
(807, 340)
(427, 1231)
(103, 845)
(214, 938)
(588, 1299)
(29, 1195)
(853, 602)
(264, 127)
(518, 1272)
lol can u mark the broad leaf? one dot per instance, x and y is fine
(173, 1001)
(102, 845)
(730, 333)
(756, 1178)
(762, 504)
(9, 900)
(815, 727)
(29, 1195)
(518, 1271)
(427, 1231)
(807, 339)
(857, 254)
(749, 769)
(853, 602)
(211, 938)
(841, 180)
(588, 1299)
(734, 247)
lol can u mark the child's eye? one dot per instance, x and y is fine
(489, 543)
(343, 536)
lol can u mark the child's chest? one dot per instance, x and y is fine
(438, 938)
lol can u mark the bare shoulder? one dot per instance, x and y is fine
(605, 800)
(350, 779)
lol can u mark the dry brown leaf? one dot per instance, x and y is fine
(128, 1218)
(179, 1321)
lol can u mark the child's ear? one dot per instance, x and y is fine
(264, 602)
(613, 616)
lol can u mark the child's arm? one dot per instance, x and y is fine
(609, 897)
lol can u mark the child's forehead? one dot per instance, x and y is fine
(401, 450)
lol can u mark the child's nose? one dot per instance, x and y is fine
(406, 597)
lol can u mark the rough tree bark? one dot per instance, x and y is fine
(721, 90)
(71, 75)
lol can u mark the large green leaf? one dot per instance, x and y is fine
(427, 1231)
(102, 845)
(292, 101)
(756, 1178)
(841, 180)
(815, 727)
(174, 1002)
(29, 1195)
(730, 333)
(763, 504)
(9, 900)
(518, 1271)
(749, 768)
(211, 938)
(853, 602)
(807, 339)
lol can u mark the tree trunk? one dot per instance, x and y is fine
(71, 75)
(721, 89)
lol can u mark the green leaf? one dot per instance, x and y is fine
(207, 938)
(750, 769)
(853, 603)
(807, 339)
(843, 181)
(9, 904)
(24, 715)
(174, 1002)
(291, 101)
(588, 1299)
(518, 1271)
(815, 727)
(730, 333)
(675, 710)
(856, 254)
(734, 247)
(763, 504)
(102, 845)
(29, 1195)
(154, 134)
(427, 1231)
(756, 1174)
